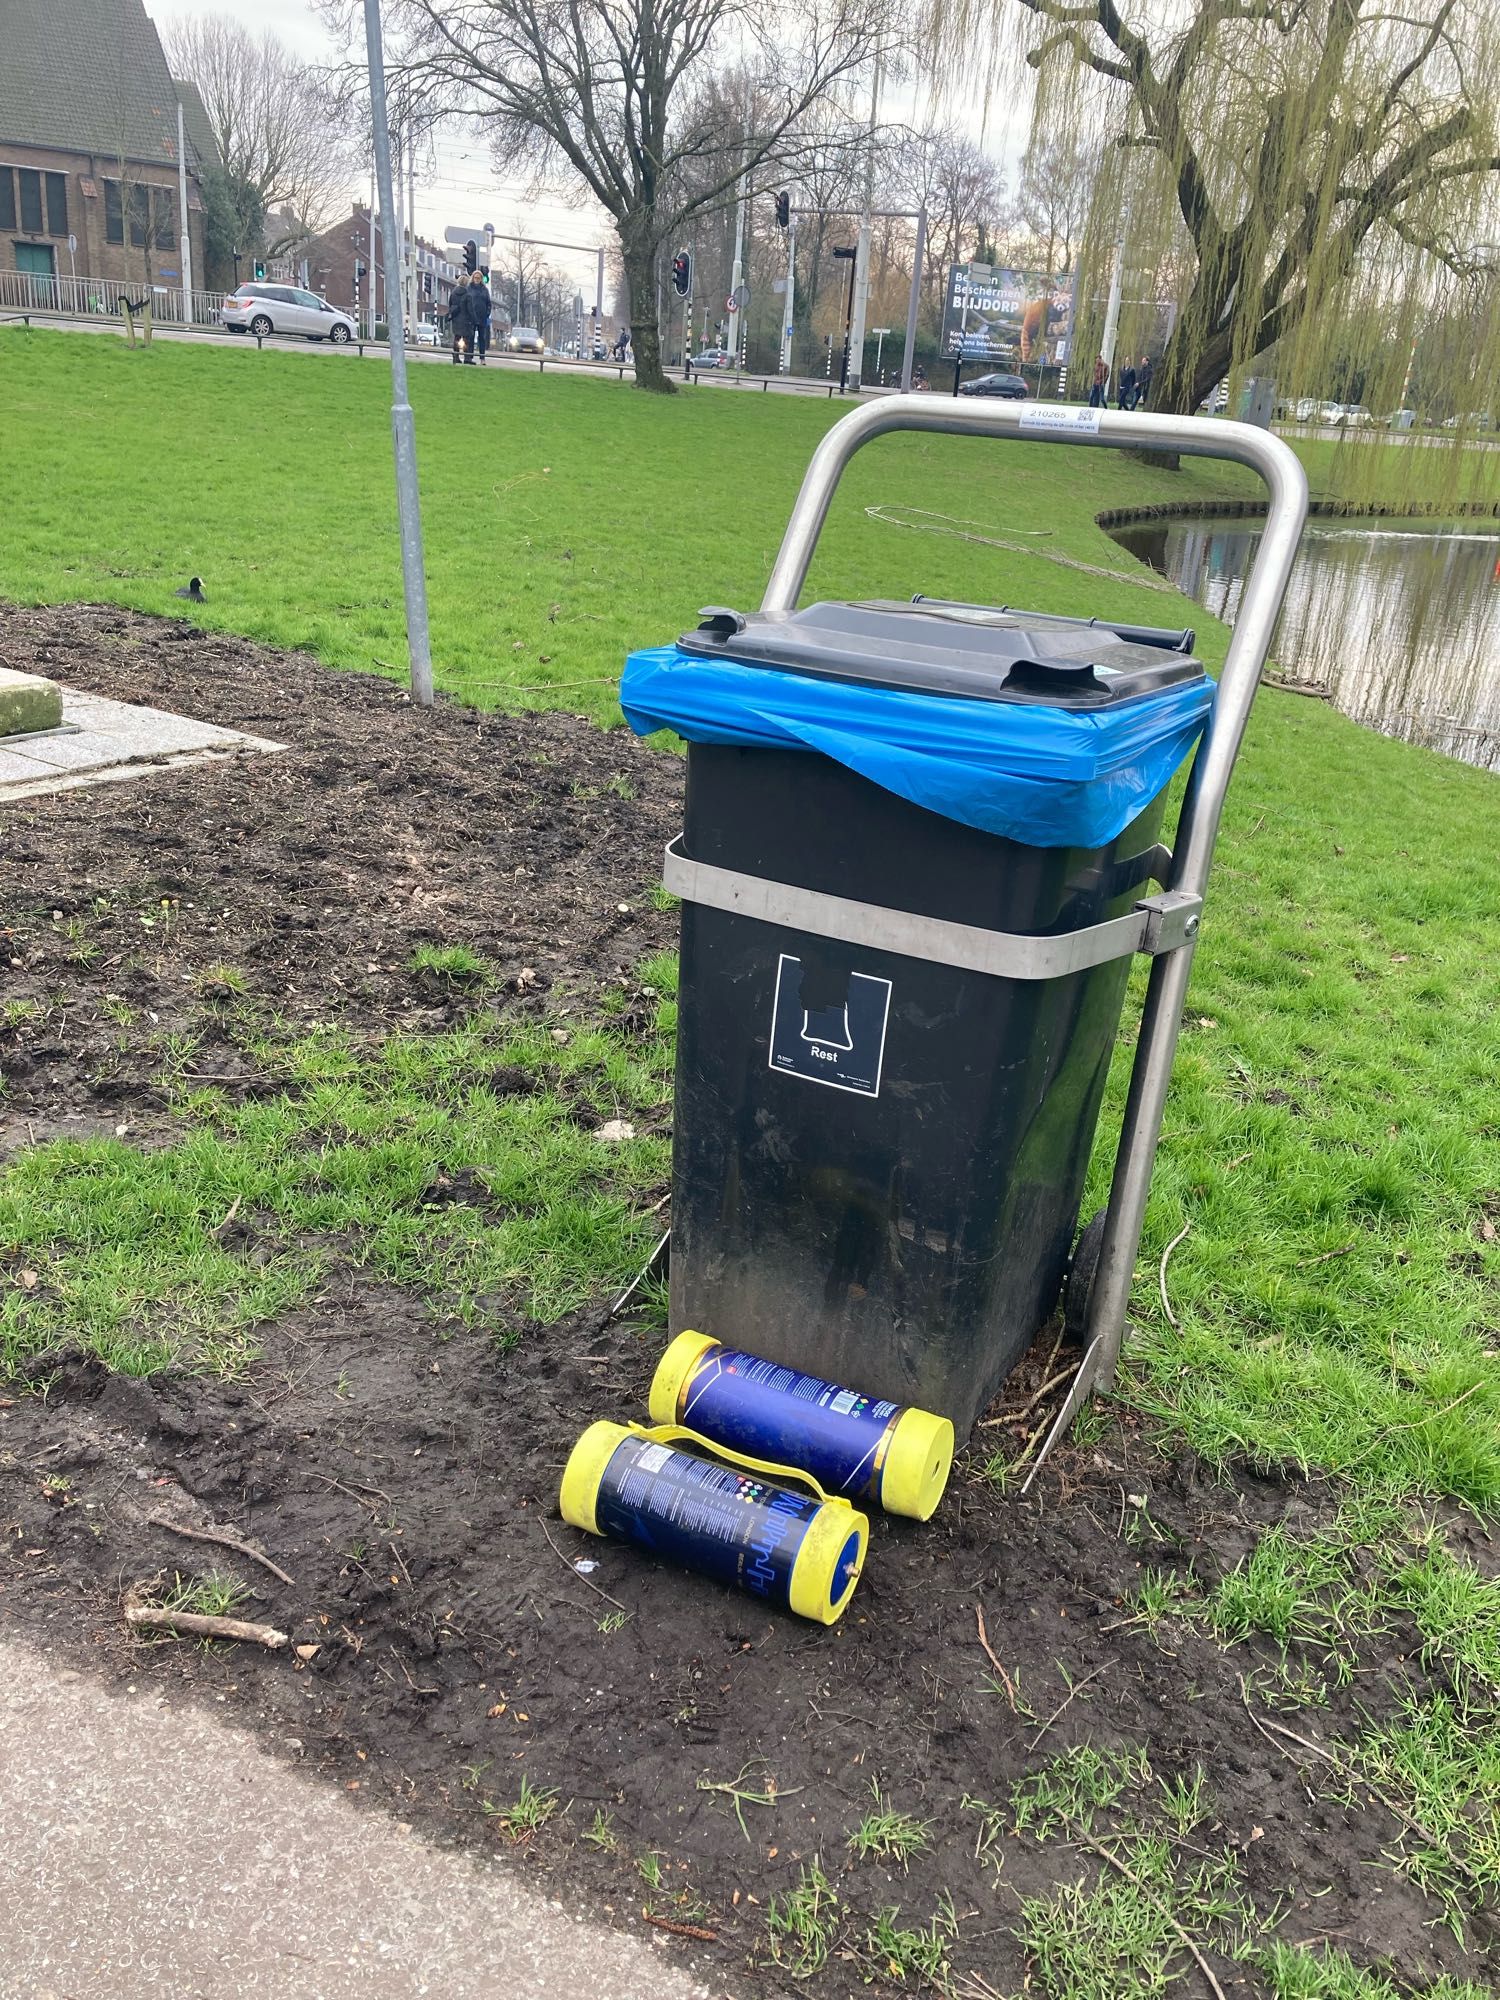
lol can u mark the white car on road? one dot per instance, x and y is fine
(263, 309)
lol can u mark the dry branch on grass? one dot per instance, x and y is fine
(201, 1625)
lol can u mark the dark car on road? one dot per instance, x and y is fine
(994, 385)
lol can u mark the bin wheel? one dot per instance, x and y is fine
(1079, 1286)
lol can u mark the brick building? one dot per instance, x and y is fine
(332, 257)
(88, 147)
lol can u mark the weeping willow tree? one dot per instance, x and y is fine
(1279, 164)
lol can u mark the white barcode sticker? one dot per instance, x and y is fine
(654, 1457)
(1059, 417)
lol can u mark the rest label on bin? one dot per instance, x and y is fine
(829, 1028)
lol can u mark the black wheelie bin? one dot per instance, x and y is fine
(916, 840)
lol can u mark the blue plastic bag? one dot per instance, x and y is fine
(1049, 777)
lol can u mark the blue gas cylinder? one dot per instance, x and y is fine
(733, 1522)
(896, 1457)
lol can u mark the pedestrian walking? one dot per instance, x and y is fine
(1125, 385)
(1143, 381)
(481, 305)
(1099, 394)
(460, 326)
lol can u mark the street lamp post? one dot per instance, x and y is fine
(403, 426)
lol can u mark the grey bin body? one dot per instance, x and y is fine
(878, 1159)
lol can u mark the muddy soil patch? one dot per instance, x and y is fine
(451, 1647)
(311, 877)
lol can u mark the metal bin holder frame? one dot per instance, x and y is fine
(1163, 926)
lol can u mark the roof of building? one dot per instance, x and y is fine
(202, 145)
(90, 77)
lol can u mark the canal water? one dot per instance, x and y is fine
(1398, 620)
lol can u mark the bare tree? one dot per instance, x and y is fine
(1058, 177)
(529, 290)
(614, 93)
(962, 189)
(277, 127)
(1291, 137)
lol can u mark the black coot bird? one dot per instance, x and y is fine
(193, 588)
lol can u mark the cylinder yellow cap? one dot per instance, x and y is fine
(584, 1470)
(673, 1373)
(918, 1459)
(826, 1569)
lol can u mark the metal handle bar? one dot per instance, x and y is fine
(1198, 822)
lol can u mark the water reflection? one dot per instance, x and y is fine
(1399, 621)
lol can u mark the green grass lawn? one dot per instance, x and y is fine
(566, 520)
(1332, 1143)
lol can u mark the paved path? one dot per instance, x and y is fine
(102, 741)
(152, 1852)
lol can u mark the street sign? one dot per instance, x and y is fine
(480, 233)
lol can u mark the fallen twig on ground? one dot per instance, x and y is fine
(1279, 1748)
(587, 1582)
(994, 1658)
(1166, 1305)
(201, 1625)
(1428, 1417)
(681, 1930)
(1016, 1416)
(222, 1541)
(1353, 1776)
(363, 1497)
(1076, 1689)
(652, 1262)
(1343, 1251)
(1096, 1847)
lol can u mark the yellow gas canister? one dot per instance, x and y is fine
(895, 1457)
(735, 1521)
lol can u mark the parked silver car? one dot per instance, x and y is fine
(263, 309)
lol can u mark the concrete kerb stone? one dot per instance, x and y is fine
(28, 703)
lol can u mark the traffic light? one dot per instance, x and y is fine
(471, 256)
(359, 272)
(682, 274)
(783, 210)
(260, 271)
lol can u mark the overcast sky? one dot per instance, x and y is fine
(466, 191)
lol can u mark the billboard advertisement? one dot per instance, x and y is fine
(998, 315)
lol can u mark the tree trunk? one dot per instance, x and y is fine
(638, 251)
(1191, 365)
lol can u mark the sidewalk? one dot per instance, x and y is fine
(151, 1850)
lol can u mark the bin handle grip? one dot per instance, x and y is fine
(1068, 423)
(1203, 803)
(680, 1434)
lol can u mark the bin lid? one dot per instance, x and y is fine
(930, 646)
